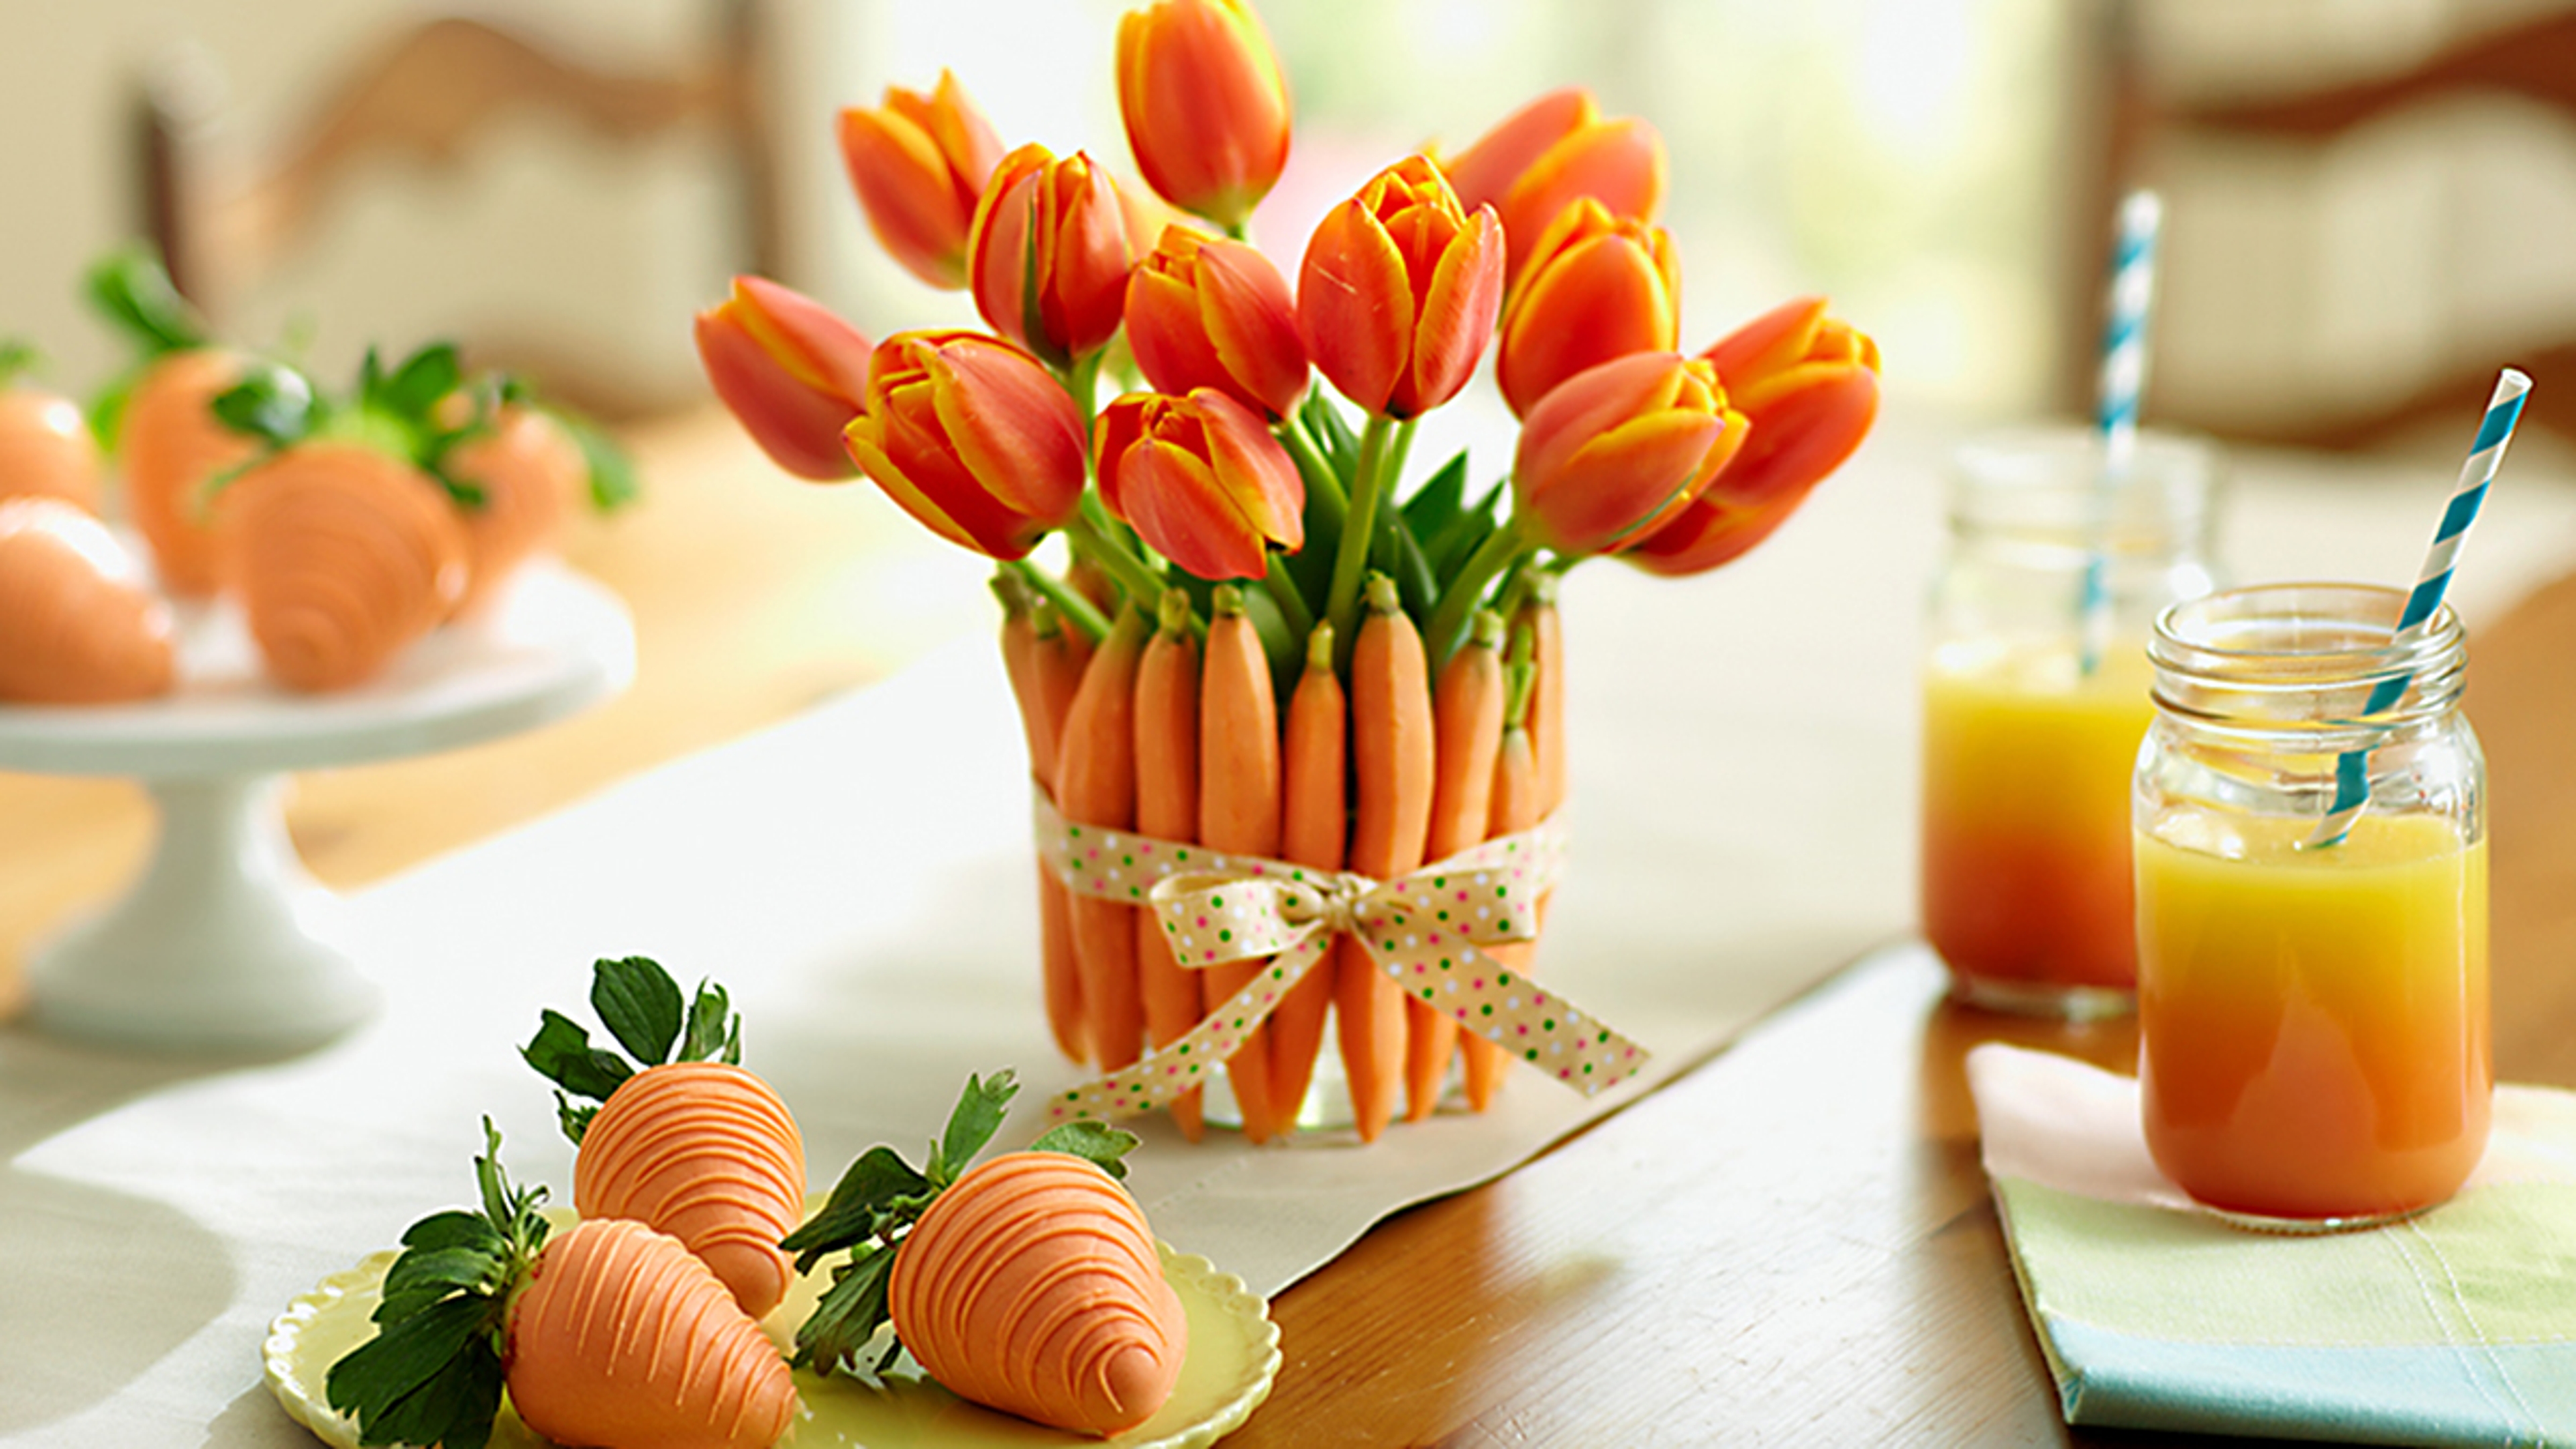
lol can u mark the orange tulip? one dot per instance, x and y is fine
(1597, 287)
(919, 164)
(1808, 385)
(1205, 105)
(1617, 449)
(1549, 153)
(1206, 312)
(969, 435)
(1053, 232)
(792, 373)
(1400, 290)
(1201, 479)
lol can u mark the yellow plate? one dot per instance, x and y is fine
(1233, 1356)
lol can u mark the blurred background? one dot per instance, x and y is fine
(1942, 168)
(1938, 166)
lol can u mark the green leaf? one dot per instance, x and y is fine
(877, 1192)
(978, 1115)
(453, 1229)
(18, 357)
(640, 1004)
(614, 482)
(407, 1358)
(1439, 499)
(562, 1054)
(1449, 547)
(574, 1119)
(1325, 422)
(714, 1032)
(423, 1276)
(847, 1316)
(132, 290)
(106, 410)
(1411, 571)
(422, 381)
(271, 403)
(1098, 1143)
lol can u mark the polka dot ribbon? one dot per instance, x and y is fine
(1422, 929)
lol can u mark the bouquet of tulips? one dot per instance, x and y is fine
(1262, 641)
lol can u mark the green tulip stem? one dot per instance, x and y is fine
(1068, 600)
(1311, 462)
(1082, 380)
(1283, 592)
(1402, 450)
(1136, 579)
(1500, 550)
(1350, 558)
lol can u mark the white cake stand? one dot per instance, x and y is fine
(225, 943)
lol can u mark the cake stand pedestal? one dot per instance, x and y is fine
(225, 943)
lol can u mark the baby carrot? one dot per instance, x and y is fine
(1060, 654)
(1096, 786)
(1056, 658)
(1314, 824)
(1020, 660)
(1547, 691)
(1391, 749)
(1167, 808)
(1467, 710)
(1239, 812)
(1515, 808)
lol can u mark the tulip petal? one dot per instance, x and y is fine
(1259, 479)
(1590, 403)
(1251, 322)
(1619, 163)
(1484, 172)
(999, 239)
(1709, 533)
(1806, 423)
(1166, 329)
(868, 440)
(1204, 104)
(1178, 506)
(789, 386)
(1601, 299)
(1459, 310)
(910, 197)
(1622, 478)
(1120, 426)
(1355, 305)
(1013, 427)
(1768, 343)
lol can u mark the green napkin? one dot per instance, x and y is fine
(2454, 1327)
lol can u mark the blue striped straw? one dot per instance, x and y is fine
(2352, 770)
(2123, 382)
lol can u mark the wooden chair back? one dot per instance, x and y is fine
(2532, 59)
(428, 97)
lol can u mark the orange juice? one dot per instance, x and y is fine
(2315, 1022)
(2026, 764)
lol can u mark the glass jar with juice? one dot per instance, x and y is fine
(2313, 1012)
(2034, 704)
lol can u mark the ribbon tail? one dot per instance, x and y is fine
(1165, 1073)
(1526, 1021)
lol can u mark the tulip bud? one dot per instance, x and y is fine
(1400, 291)
(973, 438)
(1552, 152)
(1615, 450)
(1808, 386)
(1201, 480)
(1597, 287)
(790, 371)
(918, 164)
(1206, 312)
(1205, 105)
(1054, 233)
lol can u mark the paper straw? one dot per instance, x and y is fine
(2123, 382)
(2352, 771)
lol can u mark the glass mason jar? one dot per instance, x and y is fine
(2034, 704)
(2313, 1010)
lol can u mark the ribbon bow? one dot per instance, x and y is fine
(1422, 929)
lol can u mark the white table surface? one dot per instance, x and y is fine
(1743, 765)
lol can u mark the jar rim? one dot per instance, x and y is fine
(2221, 655)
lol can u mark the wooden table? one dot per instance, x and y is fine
(1792, 1243)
